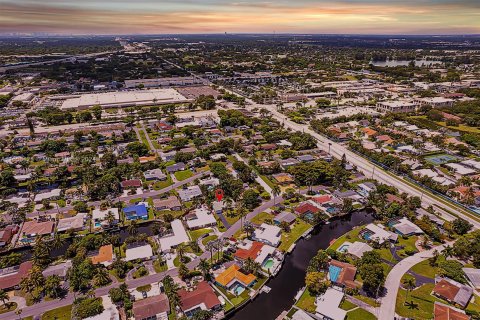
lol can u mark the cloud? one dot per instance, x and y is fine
(189, 16)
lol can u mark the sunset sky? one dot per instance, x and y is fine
(217, 16)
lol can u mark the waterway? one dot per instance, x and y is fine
(290, 279)
(397, 63)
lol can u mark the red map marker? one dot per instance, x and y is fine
(219, 194)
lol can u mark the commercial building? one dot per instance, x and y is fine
(397, 106)
(162, 82)
(123, 99)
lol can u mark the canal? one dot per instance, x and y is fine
(290, 279)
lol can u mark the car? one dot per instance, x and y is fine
(144, 294)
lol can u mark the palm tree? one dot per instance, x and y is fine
(183, 271)
(204, 267)
(52, 286)
(241, 211)
(181, 250)
(276, 192)
(211, 247)
(57, 241)
(409, 284)
(101, 277)
(4, 296)
(110, 217)
(251, 266)
(248, 228)
(132, 228)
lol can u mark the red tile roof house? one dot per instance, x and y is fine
(10, 277)
(452, 291)
(155, 307)
(306, 208)
(202, 298)
(252, 252)
(32, 229)
(342, 273)
(127, 184)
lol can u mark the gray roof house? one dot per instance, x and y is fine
(176, 167)
(189, 193)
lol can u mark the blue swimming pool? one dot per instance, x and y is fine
(334, 272)
(343, 248)
(238, 289)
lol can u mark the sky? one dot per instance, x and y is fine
(247, 16)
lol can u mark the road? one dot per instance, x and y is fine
(258, 179)
(125, 198)
(369, 169)
(392, 283)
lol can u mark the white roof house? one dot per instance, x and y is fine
(268, 234)
(47, 195)
(460, 169)
(72, 223)
(189, 193)
(327, 305)
(406, 227)
(472, 164)
(376, 233)
(201, 218)
(141, 252)
(357, 248)
(179, 235)
(100, 215)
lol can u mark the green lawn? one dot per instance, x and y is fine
(367, 300)
(159, 267)
(163, 184)
(425, 269)
(306, 302)
(144, 138)
(231, 217)
(350, 236)
(409, 245)
(175, 214)
(347, 305)
(209, 238)
(262, 217)
(183, 175)
(195, 234)
(267, 181)
(63, 313)
(422, 302)
(460, 127)
(296, 231)
(7, 307)
(360, 314)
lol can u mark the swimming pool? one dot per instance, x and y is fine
(343, 248)
(268, 264)
(334, 272)
(237, 289)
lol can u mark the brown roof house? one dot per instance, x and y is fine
(452, 291)
(104, 255)
(155, 307)
(170, 203)
(33, 229)
(10, 277)
(202, 298)
(444, 312)
(342, 273)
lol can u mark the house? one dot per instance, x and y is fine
(136, 212)
(101, 217)
(405, 227)
(155, 174)
(6, 235)
(134, 183)
(180, 166)
(257, 251)
(60, 270)
(288, 163)
(443, 312)
(48, 195)
(188, 194)
(306, 158)
(283, 178)
(356, 249)
(365, 188)
(152, 308)
(178, 235)
(170, 203)
(233, 278)
(452, 291)
(391, 198)
(200, 218)
(136, 251)
(307, 209)
(75, 223)
(104, 255)
(203, 297)
(268, 234)
(327, 305)
(342, 273)
(369, 133)
(11, 277)
(473, 276)
(33, 229)
(284, 217)
(373, 232)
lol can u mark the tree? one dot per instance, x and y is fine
(181, 250)
(137, 149)
(251, 266)
(316, 283)
(251, 199)
(4, 296)
(347, 206)
(319, 262)
(101, 277)
(202, 315)
(409, 284)
(276, 192)
(183, 271)
(373, 277)
(133, 227)
(461, 226)
(53, 286)
(285, 226)
(97, 111)
(204, 267)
